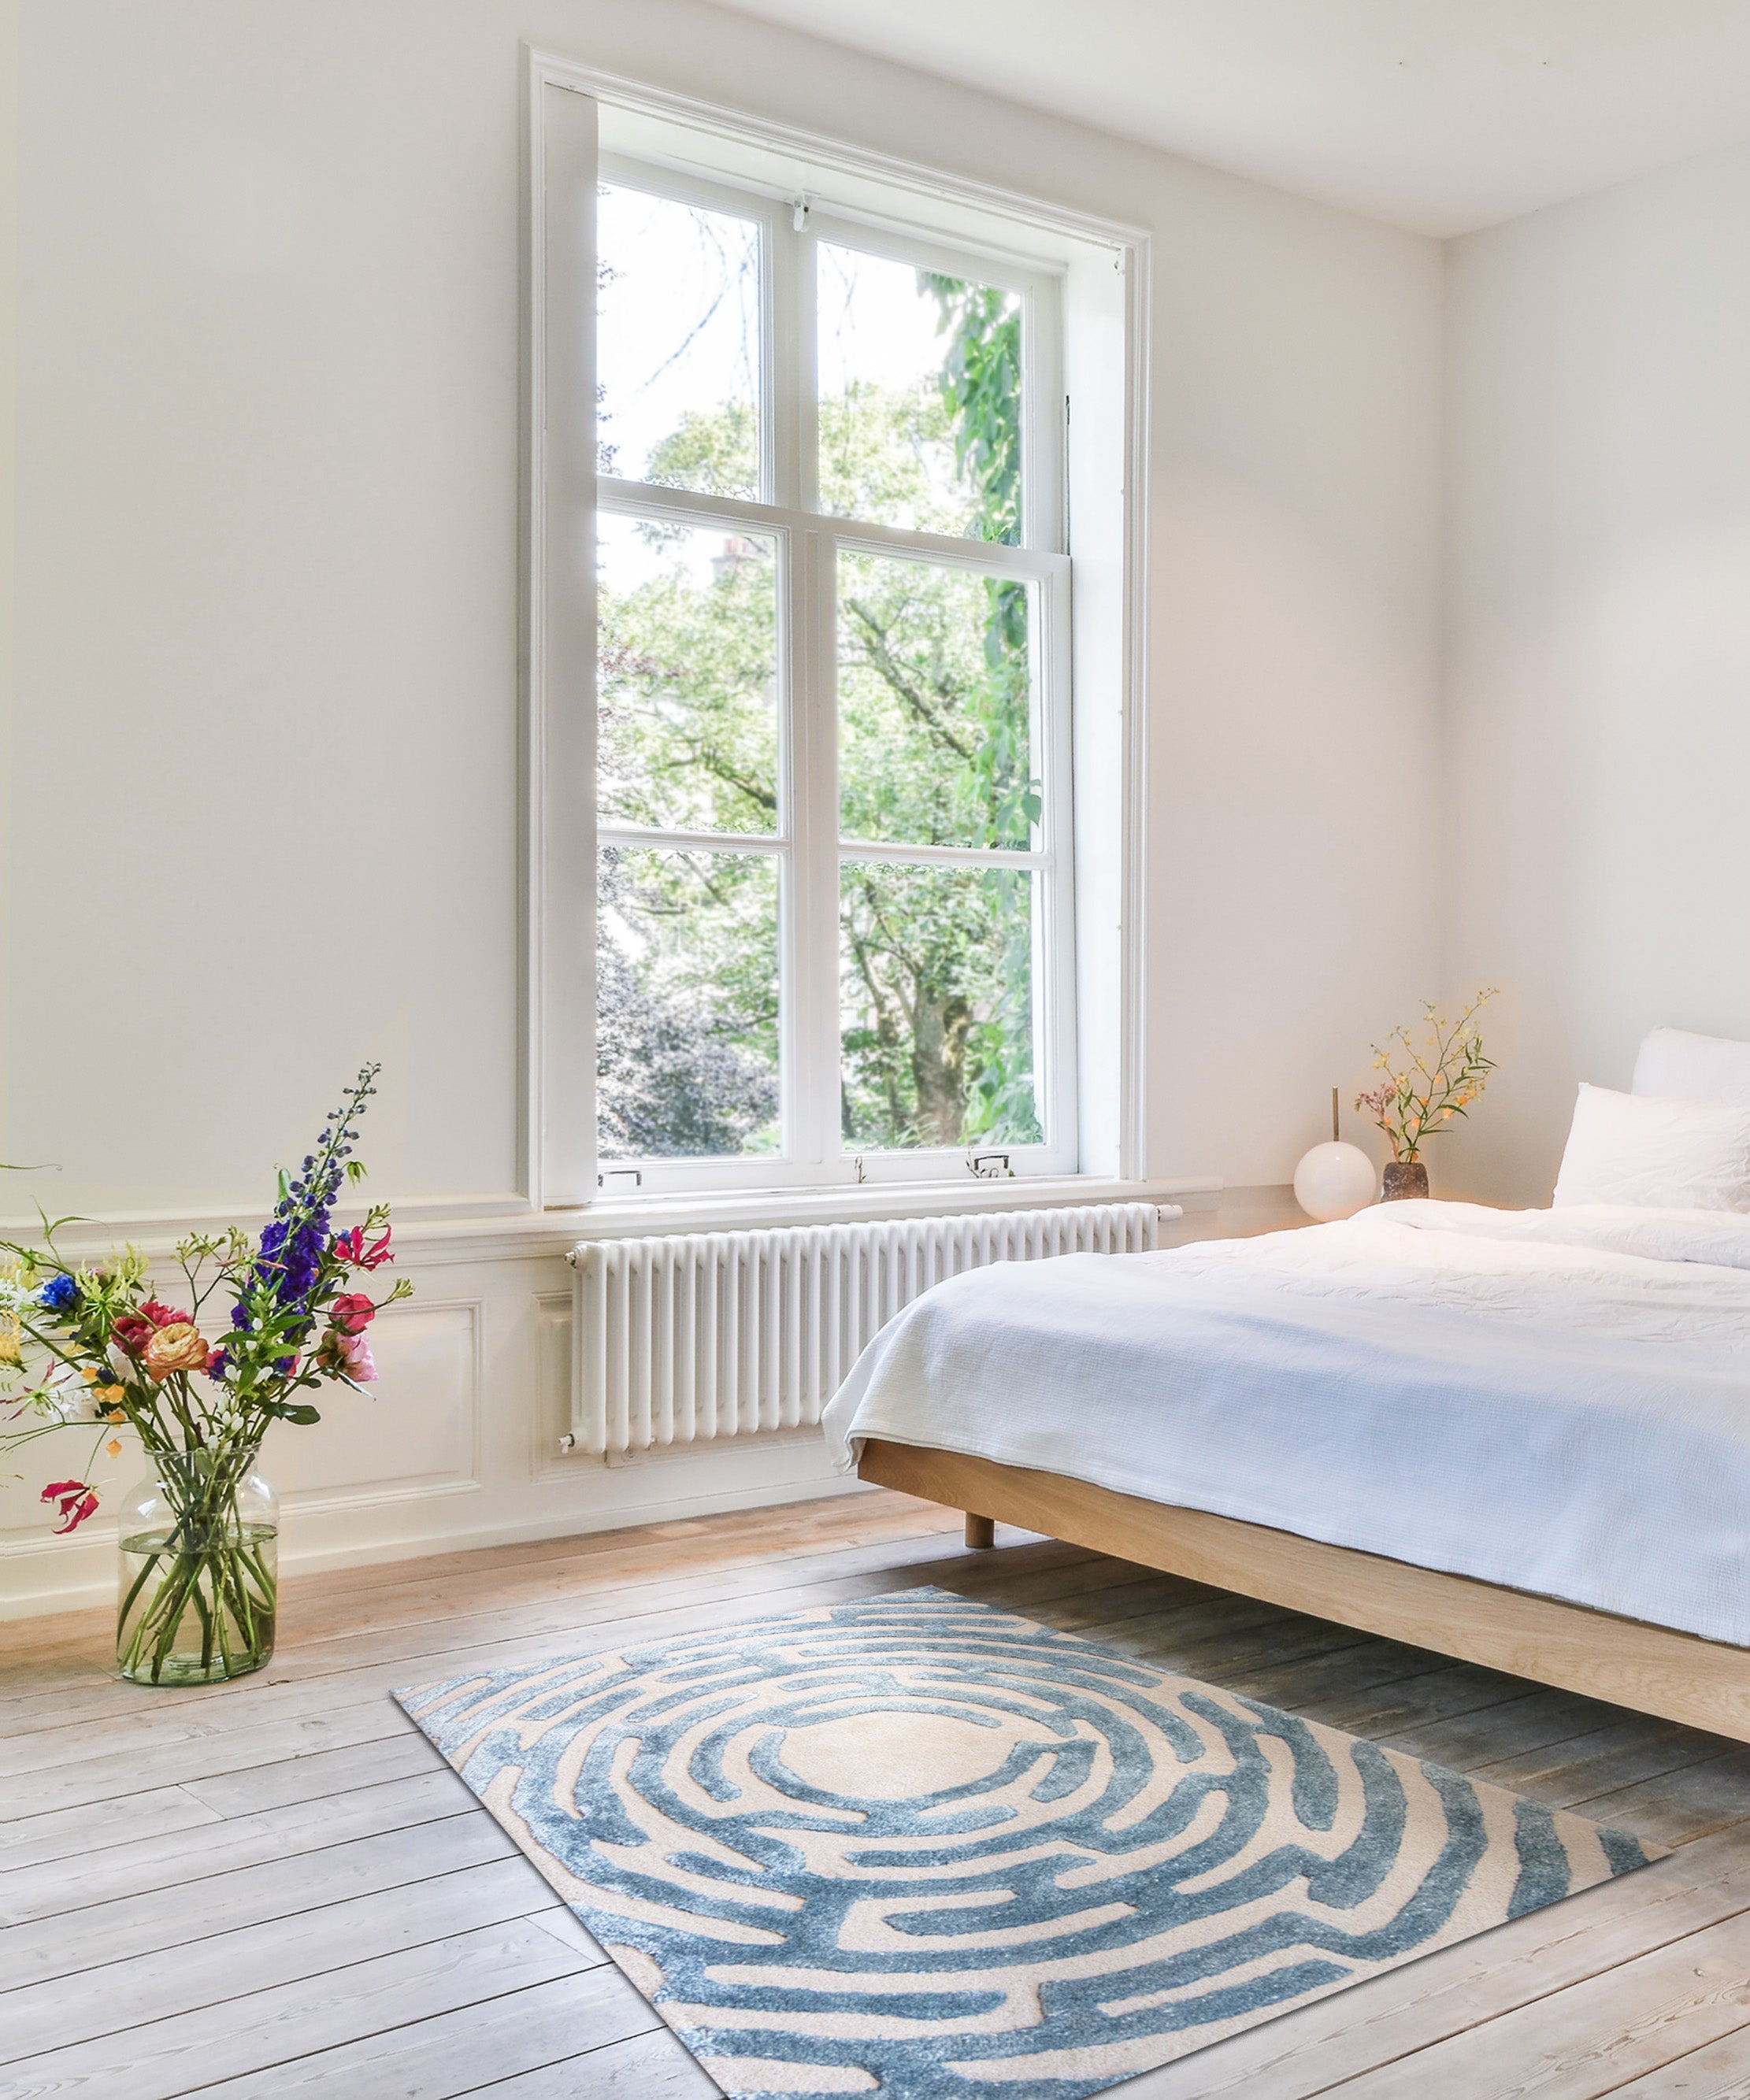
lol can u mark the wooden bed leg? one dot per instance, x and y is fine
(980, 1530)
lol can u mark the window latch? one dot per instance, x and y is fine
(991, 1167)
(799, 214)
(619, 1174)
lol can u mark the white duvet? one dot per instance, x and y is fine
(1558, 1400)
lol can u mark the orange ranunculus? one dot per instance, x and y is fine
(181, 1348)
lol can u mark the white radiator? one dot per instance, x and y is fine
(692, 1337)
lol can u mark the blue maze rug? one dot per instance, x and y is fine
(916, 1847)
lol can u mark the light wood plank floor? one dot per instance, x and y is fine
(275, 1890)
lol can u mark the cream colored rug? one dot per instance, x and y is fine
(916, 1847)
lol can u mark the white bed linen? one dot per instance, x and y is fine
(1558, 1400)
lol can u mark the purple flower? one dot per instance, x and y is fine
(295, 1243)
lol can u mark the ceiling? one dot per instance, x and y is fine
(1441, 116)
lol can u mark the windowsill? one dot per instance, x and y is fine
(502, 1228)
(620, 1216)
(557, 1232)
(1196, 1207)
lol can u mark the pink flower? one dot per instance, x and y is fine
(131, 1333)
(75, 1501)
(351, 1248)
(356, 1361)
(352, 1312)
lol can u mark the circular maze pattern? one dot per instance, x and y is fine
(916, 1846)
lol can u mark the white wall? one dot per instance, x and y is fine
(262, 806)
(1599, 640)
(1293, 715)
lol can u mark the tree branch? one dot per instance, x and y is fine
(882, 661)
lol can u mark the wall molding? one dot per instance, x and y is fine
(348, 1501)
(427, 1239)
(553, 69)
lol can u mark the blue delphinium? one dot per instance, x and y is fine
(296, 1237)
(58, 1293)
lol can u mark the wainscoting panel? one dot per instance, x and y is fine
(420, 1426)
(462, 1444)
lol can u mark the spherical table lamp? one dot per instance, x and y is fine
(1335, 1180)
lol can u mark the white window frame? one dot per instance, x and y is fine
(562, 833)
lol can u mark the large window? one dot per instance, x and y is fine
(833, 909)
(804, 908)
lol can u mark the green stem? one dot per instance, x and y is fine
(205, 1563)
(127, 1602)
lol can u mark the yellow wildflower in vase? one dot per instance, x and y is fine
(1427, 1080)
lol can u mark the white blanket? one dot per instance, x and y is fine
(1557, 1400)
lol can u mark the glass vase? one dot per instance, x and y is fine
(199, 1576)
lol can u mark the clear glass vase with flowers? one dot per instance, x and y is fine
(257, 1326)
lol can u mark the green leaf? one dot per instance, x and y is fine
(287, 1411)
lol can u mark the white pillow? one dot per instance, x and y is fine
(1652, 1151)
(1694, 1068)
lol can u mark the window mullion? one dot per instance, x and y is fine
(788, 374)
(812, 819)
(1044, 431)
(814, 856)
(695, 507)
(679, 841)
(1054, 915)
(803, 370)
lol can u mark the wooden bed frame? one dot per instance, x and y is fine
(1677, 1676)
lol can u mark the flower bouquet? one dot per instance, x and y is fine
(1425, 1085)
(89, 1345)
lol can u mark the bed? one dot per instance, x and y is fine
(1520, 1438)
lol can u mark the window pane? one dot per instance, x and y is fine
(687, 1004)
(678, 346)
(933, 740)
(936, 1006)
(688, 686)
(920, 383)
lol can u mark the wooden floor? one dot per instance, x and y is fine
(275, 1888)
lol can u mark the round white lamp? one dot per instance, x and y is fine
(1335, 1180)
